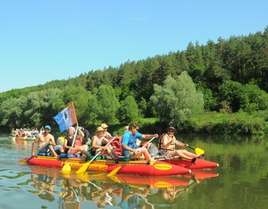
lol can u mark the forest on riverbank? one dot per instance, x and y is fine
(217, 88)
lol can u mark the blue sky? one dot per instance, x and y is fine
(45, 40)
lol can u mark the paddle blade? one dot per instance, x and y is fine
(114, 171)
(199, 151)
(66, 168)
(115, 179)
(83, 168)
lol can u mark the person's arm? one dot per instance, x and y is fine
(52, 140)
(178, 143)
(129, 149)
(166, 143)
(81, 133)
(149, 136)
(34, 143)
(66, 144)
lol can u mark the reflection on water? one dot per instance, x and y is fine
(99, 191)
(241, 181)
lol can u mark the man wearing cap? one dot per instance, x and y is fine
(167, 143)
(107, 135)
(46, 142)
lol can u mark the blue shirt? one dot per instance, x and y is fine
(130, 139)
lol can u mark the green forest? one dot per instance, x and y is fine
(217, 88)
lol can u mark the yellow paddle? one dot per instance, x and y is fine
(114, 171)
(197, 150)
(66, 168)
(86, 165)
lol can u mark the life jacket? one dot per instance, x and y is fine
(160, 143)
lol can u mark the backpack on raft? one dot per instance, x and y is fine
(152, 149)
(117, 145)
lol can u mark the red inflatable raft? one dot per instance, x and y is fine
(155, 168)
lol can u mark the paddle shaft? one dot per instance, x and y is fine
(86, 165)
(101, 150)
(190, 146)
(148, 141)
(75, 134)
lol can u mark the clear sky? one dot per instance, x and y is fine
(45, 40)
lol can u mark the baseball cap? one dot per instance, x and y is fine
(47, 127)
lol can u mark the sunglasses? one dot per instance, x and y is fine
(170, 131)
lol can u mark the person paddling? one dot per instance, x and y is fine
(168, 142)
(129, 143)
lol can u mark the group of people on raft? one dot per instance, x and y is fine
(78, 141)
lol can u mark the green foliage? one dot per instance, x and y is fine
(231, 74)
(177, 101)
(217, 123)
(248, 98)
(128, 110)
(108, 105)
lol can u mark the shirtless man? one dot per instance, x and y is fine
(46, 141)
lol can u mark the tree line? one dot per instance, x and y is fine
(226, 77)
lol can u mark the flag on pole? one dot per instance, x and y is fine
(66, 118)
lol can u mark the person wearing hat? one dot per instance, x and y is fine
(107, 135)
(98, 144)
(167, 144)
(46, 143)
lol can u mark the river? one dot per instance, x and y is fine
(241, 181)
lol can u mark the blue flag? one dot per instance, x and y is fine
(66, 118)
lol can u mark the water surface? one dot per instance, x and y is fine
(241, 181)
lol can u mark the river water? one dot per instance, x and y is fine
(241, 181)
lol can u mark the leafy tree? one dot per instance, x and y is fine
(253, 98)
(108, 105)
(11, 112)
(177, 101)
(80, 97)
(128, 110)
(230, 92)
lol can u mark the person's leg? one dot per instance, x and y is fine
(189, 154)
(113, 151)
(44, 147)
(110, 153)
(53, 151)
(74, 150)
(181, 154)
(58, 149)
(146, 154)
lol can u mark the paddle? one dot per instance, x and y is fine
(86, 165)
(114, 171)
(67, 168)
(197, 150)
